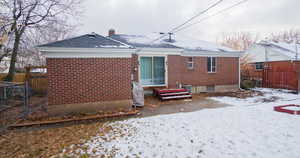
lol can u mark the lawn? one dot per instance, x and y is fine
(249, 128)
(48, 142)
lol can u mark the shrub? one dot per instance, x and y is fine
(247, 84)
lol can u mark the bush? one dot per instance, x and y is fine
(247, 84)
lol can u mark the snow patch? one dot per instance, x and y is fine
(237, 131)
(293, 108)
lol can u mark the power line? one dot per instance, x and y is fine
(190, 19)
(213, 15)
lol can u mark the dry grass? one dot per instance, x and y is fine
(45, 142)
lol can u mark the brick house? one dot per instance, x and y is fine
(93, 68)
(273, 64)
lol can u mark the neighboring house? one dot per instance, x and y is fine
(93, 68)
(21, 63)
(4, 65)
(274, 64)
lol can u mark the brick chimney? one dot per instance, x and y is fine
(111, 32)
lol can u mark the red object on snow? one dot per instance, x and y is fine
(284, 108)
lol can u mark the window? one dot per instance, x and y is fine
(211, 64)
(210, 88)
(152, 70)
(190, 63)
(259, 66)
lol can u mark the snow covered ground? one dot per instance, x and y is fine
(248, 129)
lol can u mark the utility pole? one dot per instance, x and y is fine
(170, 35)
(296, 45)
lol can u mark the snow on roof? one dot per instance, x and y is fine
(197, 45)
(177, 41)
(143, 39)
(288, 49)
(152, 40)
(146, 41)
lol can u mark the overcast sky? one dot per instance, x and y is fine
(147, 16)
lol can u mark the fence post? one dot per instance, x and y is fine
(298, 82)
(26, 105)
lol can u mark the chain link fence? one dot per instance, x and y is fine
(14, 103)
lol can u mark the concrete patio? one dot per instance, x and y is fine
(153, 106)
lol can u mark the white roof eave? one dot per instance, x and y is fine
(87, 50)
(205, 53)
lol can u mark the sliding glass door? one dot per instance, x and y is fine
(152, 70)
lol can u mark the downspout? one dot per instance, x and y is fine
(265, 68)
(297, 71)
(240, 72)
(266, 53)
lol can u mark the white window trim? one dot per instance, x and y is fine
(166, 70)
(191, 62)
(212, 65)
(256, 67)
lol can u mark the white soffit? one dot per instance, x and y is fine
(212, 54)
(86, 52)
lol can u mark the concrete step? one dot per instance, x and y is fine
(172, 94)
(176, 97)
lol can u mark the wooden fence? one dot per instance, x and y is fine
(37, 81)
(283, 75)
(19, 77)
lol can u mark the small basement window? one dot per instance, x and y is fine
(211, 64)
(259, 66)
(190, 63)
(210, 88)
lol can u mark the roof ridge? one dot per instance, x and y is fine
(91, 40)
(129, 46)
(61, 40)
(293, 51)
(263, 42)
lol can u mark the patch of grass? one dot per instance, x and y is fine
(84, 156)
(46, 142)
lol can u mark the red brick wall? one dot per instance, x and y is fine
(135, 67)
(227, 72)
(175, 70)
(87, 80)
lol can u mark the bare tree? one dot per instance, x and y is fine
(21, 16)
(4, 40)
(288, 36)
(239, 40)
(53, 32)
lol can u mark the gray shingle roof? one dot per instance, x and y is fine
(92, 40)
